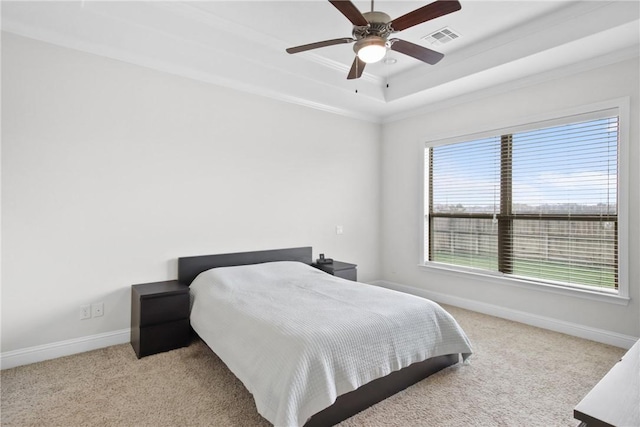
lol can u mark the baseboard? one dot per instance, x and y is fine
(569, 328)
(11, 359)
(25, 356)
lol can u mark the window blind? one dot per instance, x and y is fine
(539, 204)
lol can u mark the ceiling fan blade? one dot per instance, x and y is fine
(425, 13)
(356, 68)
(422, 53)
(319, 44)
(350, 11)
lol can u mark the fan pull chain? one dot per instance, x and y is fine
(387, 67)
(357, 64)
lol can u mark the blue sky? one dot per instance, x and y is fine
(573, 163)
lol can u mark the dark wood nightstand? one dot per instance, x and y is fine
(159, 317)
(339, 269)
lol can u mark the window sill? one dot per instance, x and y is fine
(501, 279)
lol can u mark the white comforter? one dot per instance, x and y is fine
(298, 337)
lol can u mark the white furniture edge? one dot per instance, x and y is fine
(569, 328)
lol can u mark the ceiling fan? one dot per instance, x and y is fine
(371, 31)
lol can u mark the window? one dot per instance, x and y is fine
(537, 202)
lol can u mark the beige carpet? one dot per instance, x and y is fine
(519, 375)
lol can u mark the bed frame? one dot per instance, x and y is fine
(347, 404)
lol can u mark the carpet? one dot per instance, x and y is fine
(518, 375)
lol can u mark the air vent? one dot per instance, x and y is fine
(442, 36)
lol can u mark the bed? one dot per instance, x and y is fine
(314, 349)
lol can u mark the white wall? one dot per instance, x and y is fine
(111, 171)
(403, 152)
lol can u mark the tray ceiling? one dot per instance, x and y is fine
(241, 44)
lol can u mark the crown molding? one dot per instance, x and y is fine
(191, 11)
(201, 45)
(175, 69)
(535, 79)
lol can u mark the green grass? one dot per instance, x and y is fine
(476, 261)
(546, 270)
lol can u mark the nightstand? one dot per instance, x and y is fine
(339, 269)
(159, 317)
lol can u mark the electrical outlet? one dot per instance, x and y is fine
(97, 309)
(85, 312)
(339, 229)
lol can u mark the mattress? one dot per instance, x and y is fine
(298, 338)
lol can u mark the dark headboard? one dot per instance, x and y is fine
(190, 267)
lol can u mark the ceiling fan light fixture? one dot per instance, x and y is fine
(371, 31)
(371, 49)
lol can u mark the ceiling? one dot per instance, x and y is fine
(241, 44)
